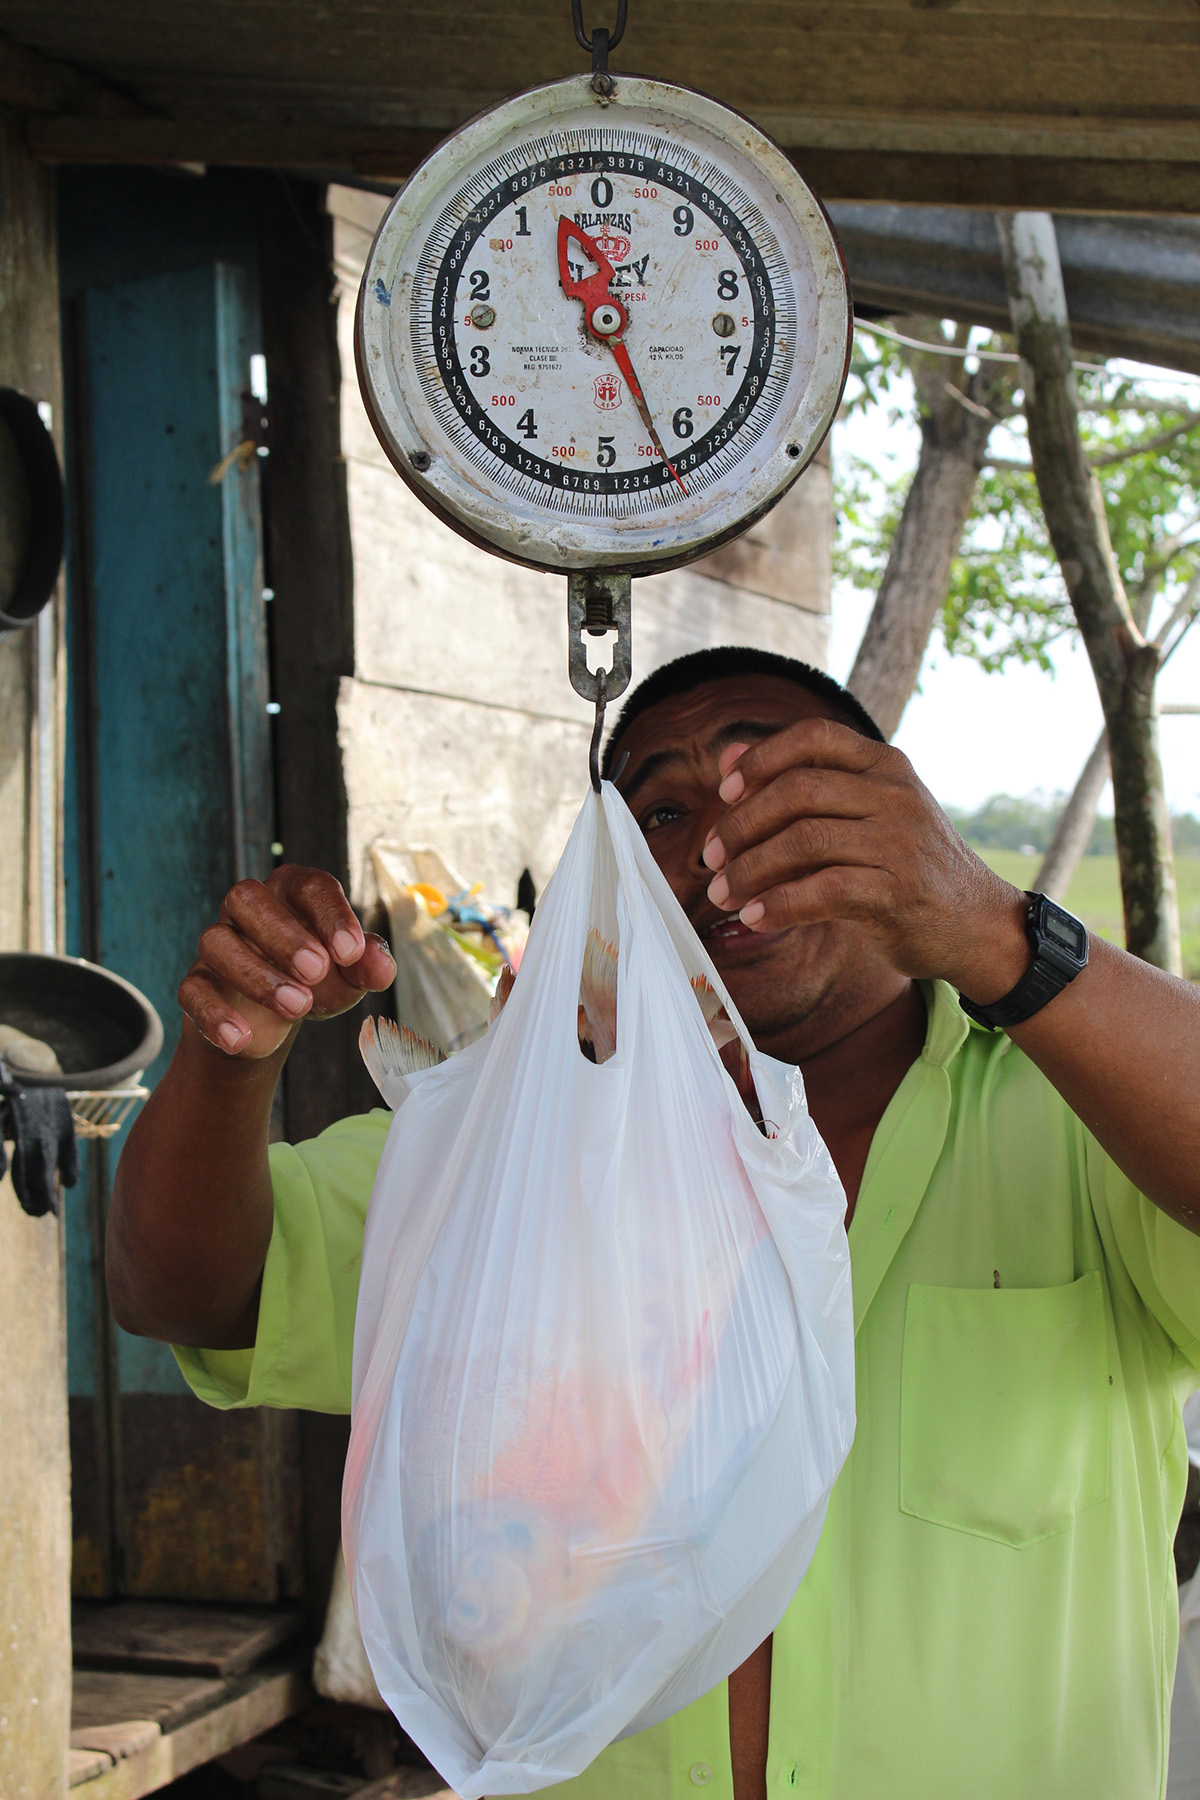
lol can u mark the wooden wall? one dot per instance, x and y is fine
(35, 1541)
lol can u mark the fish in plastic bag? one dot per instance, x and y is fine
(603, 1363)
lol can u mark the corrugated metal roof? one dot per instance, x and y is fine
(1133, 284)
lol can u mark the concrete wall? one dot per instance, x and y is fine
(459, 727)
(35, 1643)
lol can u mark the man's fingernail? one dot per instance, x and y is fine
(293, 999)
(714, 854)
(345, 946)
(230, 1036)
(733, 787)
(750, 915)
(718, 890)
(310, 964)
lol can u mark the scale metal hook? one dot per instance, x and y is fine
(598, 728)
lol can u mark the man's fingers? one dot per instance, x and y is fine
(824, 742)
(802, 847)
(839, 892)
(343, 988)
(274, 929)
(240, 966)
(376, 967)
(798, 792)
(318, 899)
(283, 950)
(235, 1025)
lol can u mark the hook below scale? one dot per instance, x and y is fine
(598, 603)
(597, 730)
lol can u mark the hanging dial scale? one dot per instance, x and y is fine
(601, 330)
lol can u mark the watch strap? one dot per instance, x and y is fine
(1051, 970)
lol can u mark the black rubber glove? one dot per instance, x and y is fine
(38, 1123)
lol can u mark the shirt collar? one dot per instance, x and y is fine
(948, 1026)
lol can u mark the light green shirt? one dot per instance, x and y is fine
(991, 1613)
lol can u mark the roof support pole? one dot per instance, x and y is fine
(1124, 664)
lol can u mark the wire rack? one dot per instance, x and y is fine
(99, 1112)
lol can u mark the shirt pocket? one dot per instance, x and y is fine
(1004, 1408)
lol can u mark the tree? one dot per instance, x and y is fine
(1125, 663)
(956, 409)
(1073, 830)
(1006, 598)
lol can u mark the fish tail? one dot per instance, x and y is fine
(504, 988)
(392, 1052)
(712, 1006)
(598, 994)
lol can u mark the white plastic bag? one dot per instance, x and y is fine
(603, 1359)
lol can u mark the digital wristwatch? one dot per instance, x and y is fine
(1060, 950)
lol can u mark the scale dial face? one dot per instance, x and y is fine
(603, 332)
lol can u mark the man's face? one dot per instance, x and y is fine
(778, 979)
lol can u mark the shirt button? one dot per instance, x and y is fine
(700, 1774)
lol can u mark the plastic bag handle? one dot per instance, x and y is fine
(557, 941)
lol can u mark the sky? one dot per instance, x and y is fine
(970, 734)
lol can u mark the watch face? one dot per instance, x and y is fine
(1062, 930)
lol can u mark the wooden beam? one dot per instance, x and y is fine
(1003, 183)
(35, 1477)
(1094, 139)
(936, 176)
(229, 142)
(257, 142)
(30, 82)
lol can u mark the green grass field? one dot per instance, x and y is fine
(1095, 895)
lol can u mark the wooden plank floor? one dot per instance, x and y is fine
(250, 1704)
(163, 1688)
(108, 1696)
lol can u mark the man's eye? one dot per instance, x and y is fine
(658, 816)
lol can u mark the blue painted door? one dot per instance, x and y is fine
(170, 802)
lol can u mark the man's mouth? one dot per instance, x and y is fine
(725, 929)
(728, 937)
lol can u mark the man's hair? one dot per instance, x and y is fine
(700, 666)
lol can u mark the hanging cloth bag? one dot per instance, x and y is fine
(603, 1361)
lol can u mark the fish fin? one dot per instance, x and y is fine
(736, 1058)
(392, 1052)
(598, 994)
(713, 1008)
(504, 988)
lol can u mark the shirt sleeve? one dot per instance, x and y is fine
(1160, 1257)
(303, 1350)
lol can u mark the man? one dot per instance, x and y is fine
(991, 1609)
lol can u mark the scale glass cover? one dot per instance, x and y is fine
(603, 329)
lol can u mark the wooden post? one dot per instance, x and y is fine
(35, 1542)
(1124, 664)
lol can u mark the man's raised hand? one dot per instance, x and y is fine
(824, 823)
(283, 950)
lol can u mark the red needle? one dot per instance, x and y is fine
(605, 317)
(635, 388)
